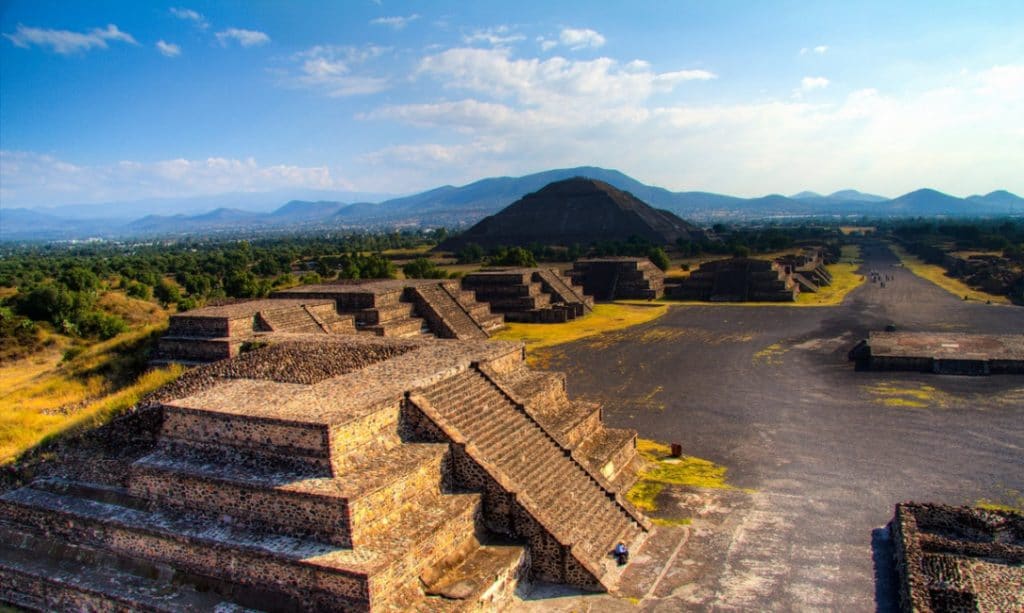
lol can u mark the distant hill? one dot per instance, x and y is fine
(458, 207)
(578, 210)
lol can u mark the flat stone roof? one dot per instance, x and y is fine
(946, 346)
(250, 307)
(351, 395)
(351, 286)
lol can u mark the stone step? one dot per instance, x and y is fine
(446, 315)
(480, 580)
(339, 510)
(609, 450)
(571, 504)
(399, 311)
(45, 574)
(293, 320)
(519, 303)
(198, 544)
(274, 438)
(411, 326)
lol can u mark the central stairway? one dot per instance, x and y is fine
(585, 516)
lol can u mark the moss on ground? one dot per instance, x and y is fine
(662, 470)
(906, 395)
(937, 275)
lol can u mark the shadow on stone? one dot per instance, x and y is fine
(886, 594)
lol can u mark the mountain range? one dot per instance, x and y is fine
(460, 207)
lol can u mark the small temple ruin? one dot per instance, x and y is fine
(619, 278)
(390, 308)
(530, 295)
(941, 353)
(958, 558)
(743, 279)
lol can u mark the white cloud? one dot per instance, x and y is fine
(581, 38)
(31, 179)
(66, 42)
(808, 84)
(500, 35)
(546, 44)
(962, 136)
(168, 49)
(190, 15)
(819, 50)
(551, 82)
(245, 38)
(396, 22)
(331, 69)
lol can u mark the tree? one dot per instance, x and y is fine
(78, 279)
(470, 254)
(166, 292)
(516, 256)
(659, 258)
(422, 268)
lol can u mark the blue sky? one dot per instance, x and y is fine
(115, 101)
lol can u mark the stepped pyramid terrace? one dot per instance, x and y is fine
(531, 295)
(330, 472)
(390, 308)
(615, 278)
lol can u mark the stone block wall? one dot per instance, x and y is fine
(958, 558)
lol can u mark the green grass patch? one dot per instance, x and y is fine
(937, 275)
(605, 318)
(662, 470)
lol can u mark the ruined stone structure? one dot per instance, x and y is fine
(614, 278)
(215, 333)
(958, 558)
(331, 472)
(941, 353)
(739, 280)
(807, 269)
(578, 210)
(531, 295)
(401, 308)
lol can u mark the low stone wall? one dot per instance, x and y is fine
(958, 558)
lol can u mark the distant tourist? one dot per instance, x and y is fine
(621, 554)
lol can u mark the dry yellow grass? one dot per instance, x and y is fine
(45, 394)
(605, 318)
(937, 275)
(134, 311)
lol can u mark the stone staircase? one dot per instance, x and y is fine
(615, 278)
(524, 295)
(564, 291)
(234, 510)
(218, 332)
(297, 321)
(445, 314)
(582, 515)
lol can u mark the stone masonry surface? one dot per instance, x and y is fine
(958, 558)
(303, 475)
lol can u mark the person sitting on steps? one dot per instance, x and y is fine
(621, 554)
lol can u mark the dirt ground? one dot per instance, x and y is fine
(827, 451)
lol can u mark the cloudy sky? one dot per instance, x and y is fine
(112, 101)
